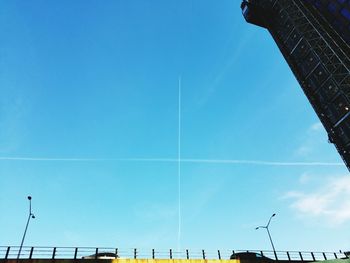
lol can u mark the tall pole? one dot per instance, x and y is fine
(268, 232)
(31, 215)
(273, 247)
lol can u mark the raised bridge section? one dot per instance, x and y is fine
(317, 54)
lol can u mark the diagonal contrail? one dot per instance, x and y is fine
(175, 160)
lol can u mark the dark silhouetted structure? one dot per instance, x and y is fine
(30, 254)
(314, 38)
(30, 215)
(268, 232)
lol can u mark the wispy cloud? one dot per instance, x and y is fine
(229, 62)
(330, 202)
(173, 160)
(316, 127)
(305, 178)
(314, 136)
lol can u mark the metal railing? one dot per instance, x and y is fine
(11, 252)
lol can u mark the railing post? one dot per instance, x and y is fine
(261, 253)
(76, 253)
(203, 253)
(31, 253)
(288, 255)
(116, 253)
(54, 253)
(301, 256)
(171, 254)
(153, 253)
(275, 254)
(96, 252)
(335, 255)
(219, 254)
(135, 253)
(324, 255)
(187, 254)
(7, 252)
(313, 256)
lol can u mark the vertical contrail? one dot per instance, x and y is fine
(179, 167)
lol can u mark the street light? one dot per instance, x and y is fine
(31, 215)
(268, 232)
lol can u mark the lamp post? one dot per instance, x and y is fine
(31, 215)
(268, 232)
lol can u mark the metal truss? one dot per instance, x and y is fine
(319, 59)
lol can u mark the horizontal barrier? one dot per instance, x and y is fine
(12, 252)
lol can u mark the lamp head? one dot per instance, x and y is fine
(29, 197)
(273, 215)
(33, 216)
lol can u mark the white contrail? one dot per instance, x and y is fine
(179, 169)
(174, 160)
(261, 162)
(59, 159)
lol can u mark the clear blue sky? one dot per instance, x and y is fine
(91, 82)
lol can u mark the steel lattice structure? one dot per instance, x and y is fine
(318, 55)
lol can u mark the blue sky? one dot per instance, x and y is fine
(85, 84)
